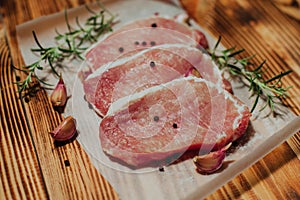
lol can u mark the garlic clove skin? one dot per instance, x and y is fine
(182, 18)
(65, 130)
(209, 163)
(59, 95)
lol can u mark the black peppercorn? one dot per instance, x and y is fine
(121, 49)
(175, 125)
(156, 118)
(67, 163)
(152, 64)
(161, 169)
(144, 43)
(154, 25)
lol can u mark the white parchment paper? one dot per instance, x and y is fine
(180, 180)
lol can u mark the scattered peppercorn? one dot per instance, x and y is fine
(175, 125)
(161, 169)
(154, 25)
(121, 49)
(156, 118)
(152, 43)
(152, 64)
(144, 43)
(67, 163)
(26, 99)
(136, 43)
(18, 78)
(90, 106)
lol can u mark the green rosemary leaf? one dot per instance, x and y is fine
(232, 54)
(68, 45)
(91, 11)
(217, 44)
(258, 68)
(257, 85)
(255, 103)
(65, 50)
(73, 32)
(37, 41)
(37, 50)
(52, 67)
(67, 21)
(228, 51)
(79, 56)
(39, 67)
(79, 25)
(234, 67)
(279, 76)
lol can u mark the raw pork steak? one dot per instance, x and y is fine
(145, 69)
(140, 34)
(156, 126)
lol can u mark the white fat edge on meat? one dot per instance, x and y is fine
(123, 102)
(179, 18)
(117, 62)
(174, 18)
(103, 37)
(123, 60)
(216, 69)
(240, 107)
(87, 64)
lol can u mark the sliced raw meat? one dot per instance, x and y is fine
(156, 126)
(167, 23)
(145, 69)
(140, 34)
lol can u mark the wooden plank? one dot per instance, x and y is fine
(77, 180)
(276, 41)
(19, 161)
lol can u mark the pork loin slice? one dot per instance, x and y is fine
(146, 69)
(140, 34)
(156, 126)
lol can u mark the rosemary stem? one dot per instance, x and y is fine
(260, 87)
(68, 45)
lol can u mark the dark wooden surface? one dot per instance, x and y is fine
(33, 168)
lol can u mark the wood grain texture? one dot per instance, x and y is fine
(55, 179)
(32, 167)
(20, 168)
(263, 30)
(266, 31)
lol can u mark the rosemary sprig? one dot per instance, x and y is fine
(271, 90)
(69, 45)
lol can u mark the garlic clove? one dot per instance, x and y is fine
(209, 163)
(65, 130)
(182, 18)
(59, 95)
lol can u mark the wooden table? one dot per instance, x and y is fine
(33, 168)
